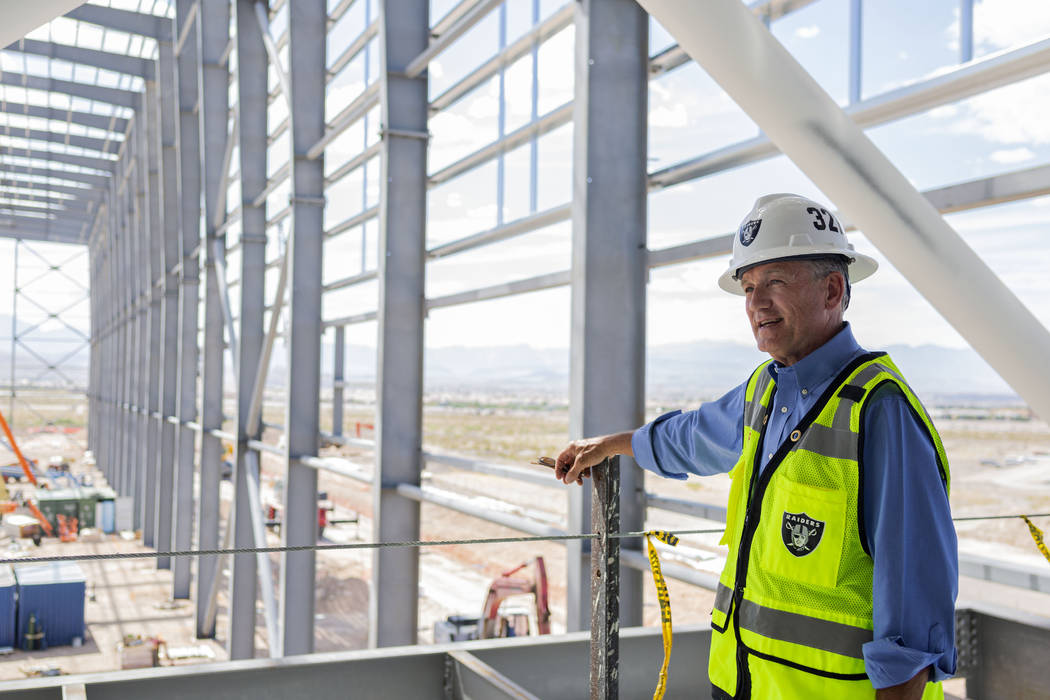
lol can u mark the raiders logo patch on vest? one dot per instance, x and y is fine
(801, 533)
(749, 231)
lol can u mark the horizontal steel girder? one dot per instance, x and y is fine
(83, 193)
(98, 182)
(144, 68)
(58, 204)
(15, 227)
(124, 98)
(124, 20)
(83, 161)
(114, 124)
(87, 142)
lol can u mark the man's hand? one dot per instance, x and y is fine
(575, 461)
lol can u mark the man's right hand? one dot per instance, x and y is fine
(575, 461)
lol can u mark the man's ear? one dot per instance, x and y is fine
(836, 288)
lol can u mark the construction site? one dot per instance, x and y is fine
(306, 295)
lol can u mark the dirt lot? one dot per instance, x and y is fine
(998, 466)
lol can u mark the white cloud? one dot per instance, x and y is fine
(1015, 114)
(669, 117)
(998, 24)
(808, 32)
(1012, 155)
(944, 112)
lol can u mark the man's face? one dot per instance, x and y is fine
(791, 312)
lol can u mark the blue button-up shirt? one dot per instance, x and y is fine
(906, 514)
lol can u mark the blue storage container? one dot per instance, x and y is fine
(54, 592)
(8, 606)
(108, 516)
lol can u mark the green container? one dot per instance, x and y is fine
(58, 502)
(88, 498)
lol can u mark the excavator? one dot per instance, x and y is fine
(495, 622)
(6, 504)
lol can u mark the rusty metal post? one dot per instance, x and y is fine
(605, 581)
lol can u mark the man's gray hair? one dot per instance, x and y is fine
(824, 266)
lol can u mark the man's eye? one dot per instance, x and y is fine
(748, 289)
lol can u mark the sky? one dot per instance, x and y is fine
(689, 115)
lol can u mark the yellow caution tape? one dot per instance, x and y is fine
(665, 602)
(1037, 535)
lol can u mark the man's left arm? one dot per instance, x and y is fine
(911, 537)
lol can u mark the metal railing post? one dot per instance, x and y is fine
(605, 581)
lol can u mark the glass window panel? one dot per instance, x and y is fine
(689, 114)
(440, 8)
(278, 152)
(556, 77)
(359, 299)
(279, 22)
(897, 51)
(537, 253)
(343, 198)
(517, 93)
(276, 112)
(554, 168)
(538, 319)
(476, 46)
(465, 126)
(233, 194)
(549, 7)
(233, 236)
(342, 256)
(348, 28)
(462, 206)
(519, 19)
(818, 37)
(985, 135)
(659, 38)
(372, 124)
(345, 146)
(517, 183)
(1003, 24)
(372, 183)
(278, 200)
(344, 87)
(370, 244)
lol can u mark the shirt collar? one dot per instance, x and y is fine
(824, 362)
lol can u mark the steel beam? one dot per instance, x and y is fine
(148, 505)
(212, 35)
(142, 296)
(403, 34)
(118, 125)
(104, 165)
(252, 103)
(607, 355)
(605, 581)
(33, 234)
(123, 98)
(97, 182)
(189, 295)
(84, 194)
(169, 156)
(129, 65)
(89, 143)
(150, 25)
(306, 32)
(338, 370)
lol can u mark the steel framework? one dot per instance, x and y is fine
(229, 151)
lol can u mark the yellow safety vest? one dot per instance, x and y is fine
(794, 602)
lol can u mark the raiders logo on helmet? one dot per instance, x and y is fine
(749, 231)
(801, 533)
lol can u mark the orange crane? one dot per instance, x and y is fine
(29, 474)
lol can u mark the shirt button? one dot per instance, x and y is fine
(770, 456)
(805, 391)
(783, 409)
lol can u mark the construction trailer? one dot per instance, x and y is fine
(238, 172)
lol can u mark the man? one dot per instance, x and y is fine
(842, 569)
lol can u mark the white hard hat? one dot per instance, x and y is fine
(782, 226)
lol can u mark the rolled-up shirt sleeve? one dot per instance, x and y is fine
(911, 537)
(704, 441)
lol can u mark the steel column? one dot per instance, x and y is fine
(404, 33)
(306, 33)
(142, 300)
(213, 35)
(148, 504)
(338, 379)
(170, 317)
(252, 103)
(189, 292)
(607, 356)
